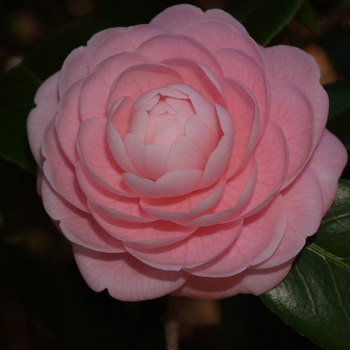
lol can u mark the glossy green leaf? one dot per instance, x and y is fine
(265, 19)
(315, 296)
(18, 87)
(306, 17)
(339, 110)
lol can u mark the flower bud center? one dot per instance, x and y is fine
(166, 120)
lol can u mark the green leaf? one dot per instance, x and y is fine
(18, 87)
(265, 19)
(315, 296)
(339, 110)
(306, 17)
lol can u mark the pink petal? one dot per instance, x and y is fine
(201, 136)
(141, 78)
(239, 66)
(244, 112)
(120, 114)
(195, 75)
(96, 88)
(68, 121)
(291, 110)
(122, 40)
(292, 64)
(216, 35)
(125, 277)
(250, 281)
(46, 100)
(328, 162)
(98, 160)
(148, 160)
(150, 235)
(118, 150)
(204, 110)
(204, 244)
(219, 159)
(258, 240)
(79, 227)
(185, 154)
(271, 155)
(123, 208)
(184, 207)
(75, 67)
(95, 41)
(164, 46)
(223, 16)
(172, 184)
(59, 171)
(303, 199)
(237, 192)
(175, 18)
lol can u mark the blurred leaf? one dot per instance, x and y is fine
(315, 298)
(18, 87)
(339, 110)
(306, 17)
(337, 47)
(265, 19)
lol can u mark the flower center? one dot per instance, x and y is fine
(166, 120)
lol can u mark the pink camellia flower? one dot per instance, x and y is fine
(181, 157)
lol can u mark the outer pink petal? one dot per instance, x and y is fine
(292, 64)
(271, 155)
(204, 244)
(223, 16)
(125, 277)
(155, 234)
(79, 227)
(122, 40)
(249, 281)
(195, 75)
(216, 35)
(291, 110)
(123, 208)
(162, 47)
(177, 17)
(96, 88)
(59, 171)
(237, 192)
(68, 121)
(240, 66)
(258, 240)
(328, 162)
(142, 78)
(303, 199)
(96, 40)
(46, 99)
(75, 67)
(94, 151)
(243, 109)
(184, 207)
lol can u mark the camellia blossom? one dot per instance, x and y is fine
(180, 157)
